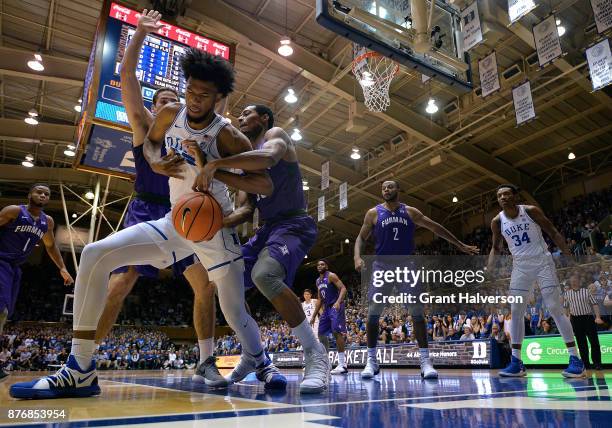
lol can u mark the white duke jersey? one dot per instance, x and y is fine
(207, 141)
(523, 235)
(309, 308)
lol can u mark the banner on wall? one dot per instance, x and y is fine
(600, 64)
(489, 77)
(519, 8)
(321, 208)
(325, 175)
(523, 103)
(547, 41)
(470, 26)
(602, 10)
(343, 195)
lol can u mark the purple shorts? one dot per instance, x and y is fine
(140, 211)
(288, 241)
(332, 321)
(10, 280)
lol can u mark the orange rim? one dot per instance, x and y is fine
(371, 54)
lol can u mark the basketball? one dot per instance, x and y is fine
(197, 216)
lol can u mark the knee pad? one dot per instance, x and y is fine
(268, 276)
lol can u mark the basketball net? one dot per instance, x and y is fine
(374, 72)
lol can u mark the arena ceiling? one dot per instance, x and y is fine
(478, 144)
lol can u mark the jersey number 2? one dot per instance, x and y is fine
(519, 240)
(395, 231)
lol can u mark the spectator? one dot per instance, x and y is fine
(467, 333)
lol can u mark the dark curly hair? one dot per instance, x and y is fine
(512, 187)
(209, 68)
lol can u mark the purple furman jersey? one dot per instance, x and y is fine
(331, 320)
(152, 202)
(17, 240)
(289, 232)
(394, 231)
(328, 291)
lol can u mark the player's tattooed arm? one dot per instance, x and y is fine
(170, 165)
(422, 220)
(243, 213)
(538, 216)
(139, 117)
(498, 243)
(8, 214)
(364, 234)
(340, 286)
(54, 252)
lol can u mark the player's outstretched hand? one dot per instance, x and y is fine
(204, 179)
(149, 21)
(67, 277)
(170, 165)
(469, 249)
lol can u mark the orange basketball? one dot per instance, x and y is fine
(197, 216)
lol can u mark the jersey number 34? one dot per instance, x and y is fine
(518, 240)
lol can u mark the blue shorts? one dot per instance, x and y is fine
(140, 211)
(287, 241)
(10, 280)
(332, 321)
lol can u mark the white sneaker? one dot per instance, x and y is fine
(316, 371)
(371, 369)
(339, 370)
(246, 366)
(427, 370)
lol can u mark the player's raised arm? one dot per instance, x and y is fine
(243, 213)
(171, 164)
(138, 116)
(8, 214)
(364, 234)
(54, 252)
(498, 242)
(422, 220)
(538, 216)
(334, 279)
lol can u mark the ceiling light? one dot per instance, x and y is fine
(77, 108)
(33, 113)
(366, 79)
(455, 199)
(70, 147)
(560, 30)
(296, 135)
(558, 21)
(30, 121)
(74, 215)
(346, 241)
(27, 163)
(571, 155)
(290, 97)
(36, 64)
(431, 106)
(306, 256)
(285, 48)
(69, 153)
(305, 185)
(355, 155)
(29, 157)
(89, 195)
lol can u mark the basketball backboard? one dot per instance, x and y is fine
(404, 31)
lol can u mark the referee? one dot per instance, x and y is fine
(581, 305)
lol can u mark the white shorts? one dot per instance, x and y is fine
(526, 273)
(215, 255)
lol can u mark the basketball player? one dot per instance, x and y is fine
(521, 226)
(393, 224)
(152, 202)
(21, 228)
(274, 254)
(209, 79)
(331, 293)
(308, 305)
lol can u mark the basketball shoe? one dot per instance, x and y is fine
(316, 370)
(371, 369)
(340, 370)
(575, 368)
(208, 373)
(69, 381)
(514, 369)
(427, 369)
(266, 372)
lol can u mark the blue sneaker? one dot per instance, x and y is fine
(514, 369)
(270, 375)
(575, 368)
(69, 381)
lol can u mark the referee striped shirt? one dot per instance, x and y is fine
(580, 302)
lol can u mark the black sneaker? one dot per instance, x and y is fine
(208, 373)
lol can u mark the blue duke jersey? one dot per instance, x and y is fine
(394, 231)
(523, 235)
(18, 238)
(207, 141)
(328, 291)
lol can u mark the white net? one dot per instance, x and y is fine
(374, 72)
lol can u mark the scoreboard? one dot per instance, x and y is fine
(103, 126)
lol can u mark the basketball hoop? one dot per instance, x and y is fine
(374, 72)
